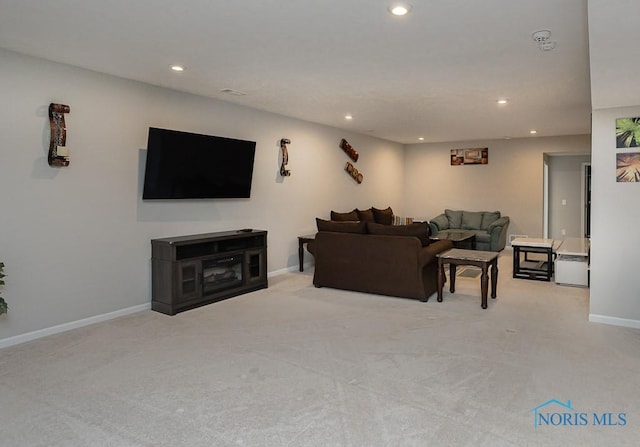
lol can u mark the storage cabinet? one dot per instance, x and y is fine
(191, 271)
(572, 263)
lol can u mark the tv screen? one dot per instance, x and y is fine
(183, 165)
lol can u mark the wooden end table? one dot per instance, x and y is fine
(477, 258)
(301, 241)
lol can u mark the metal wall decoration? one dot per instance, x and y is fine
(285, 157)
(58, 152)
(349, 150)
(357, 176)
(472, 156)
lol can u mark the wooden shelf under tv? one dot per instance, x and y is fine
(195, 270)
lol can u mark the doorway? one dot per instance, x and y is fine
(566, 195)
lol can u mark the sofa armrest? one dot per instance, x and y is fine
(436, 224)
(501, 222)
(428, 253)
(498, 232)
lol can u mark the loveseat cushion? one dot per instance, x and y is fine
(341, 227)
(419, 230)
(454, 217)
(471, 220)
(365, 215)
(351, 216)
(384, 217)
(488, 218)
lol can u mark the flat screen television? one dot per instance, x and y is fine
(183, 165)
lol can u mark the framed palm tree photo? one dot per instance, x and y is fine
(627, 132)
(628, 167)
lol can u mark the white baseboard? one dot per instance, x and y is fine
(293, 268)
(29, 336)
(615, 321)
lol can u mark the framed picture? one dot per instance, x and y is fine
(627, 132)
(471, 156)
(628, 167)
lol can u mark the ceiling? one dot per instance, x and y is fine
(435, 73)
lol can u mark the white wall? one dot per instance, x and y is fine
(75, 240)
(511, 183)
(615, 282)
(566, 184)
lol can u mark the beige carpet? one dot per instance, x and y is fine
(293, 365)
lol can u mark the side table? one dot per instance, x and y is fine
(525, 267)
(301, 241)
(477, 258)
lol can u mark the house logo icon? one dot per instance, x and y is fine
(541, 411)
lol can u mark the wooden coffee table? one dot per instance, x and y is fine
(482, 259)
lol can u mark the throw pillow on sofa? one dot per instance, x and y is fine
(384, 217)
(341, 227)
(419, 230)
(365, 215)
(351, 216)
(471, 220)
(455, 218)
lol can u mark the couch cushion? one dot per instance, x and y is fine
(488, 217)
(341, 227)
(455, 218)
(384, 217)
(419, 230)
(351, 216)
(365, 215)
(471, 220)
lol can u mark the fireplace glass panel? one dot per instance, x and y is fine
(221, 273)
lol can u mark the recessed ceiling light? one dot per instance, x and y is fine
(533, 132)
(502, 101)
(348, 117)
(421, 138)
(177, 68)
(400, 9)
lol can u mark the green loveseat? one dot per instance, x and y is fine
(489, 227)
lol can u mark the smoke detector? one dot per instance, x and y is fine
(541, 36)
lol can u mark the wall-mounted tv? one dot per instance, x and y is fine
(183, 165)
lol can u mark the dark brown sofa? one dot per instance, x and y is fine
(385, 263)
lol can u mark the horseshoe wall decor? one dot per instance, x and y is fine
(285, 157)
(58, 152)
(353, 172)
(349, 150)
